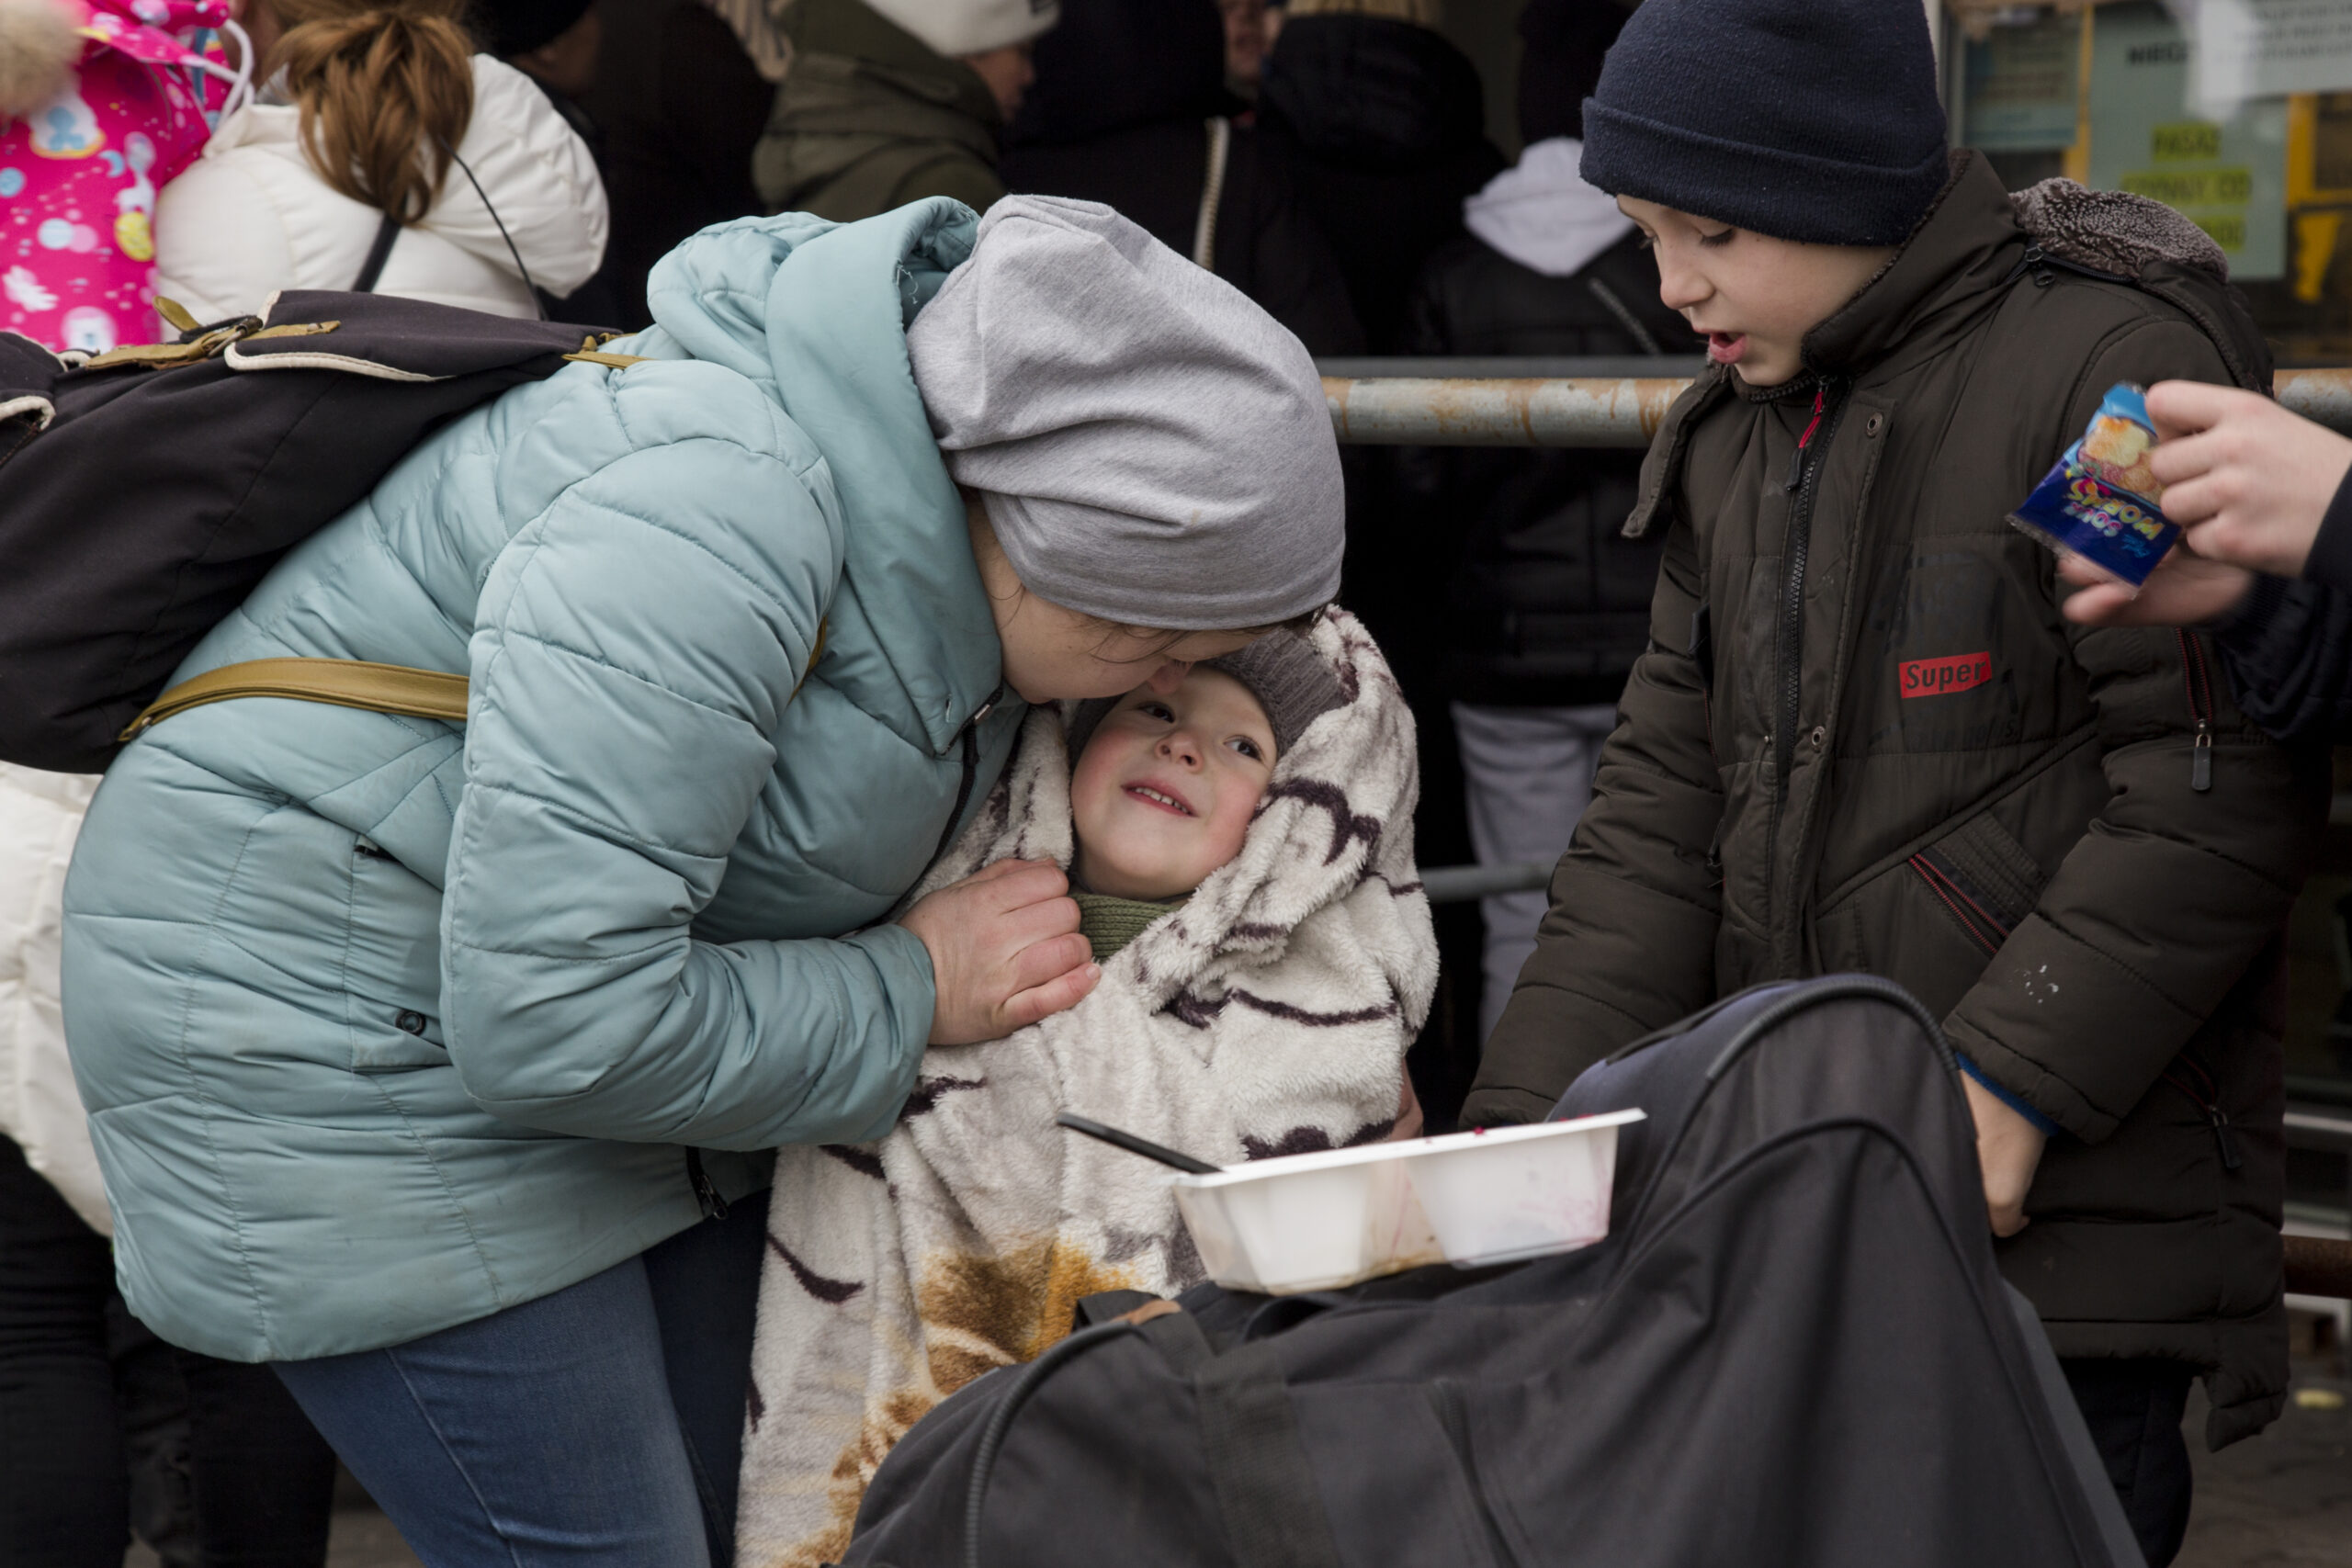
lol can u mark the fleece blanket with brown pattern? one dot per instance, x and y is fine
(1268, 1014)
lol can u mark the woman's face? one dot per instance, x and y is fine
(1052, 653)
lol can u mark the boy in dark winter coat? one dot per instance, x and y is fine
(1865, 738)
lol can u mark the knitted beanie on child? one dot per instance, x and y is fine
(1290, 681)
(1804, 119)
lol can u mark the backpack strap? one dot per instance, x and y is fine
(347, 684)
(1265, 1484)
(380, 252)
(344, 683)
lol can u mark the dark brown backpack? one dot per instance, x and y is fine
(144, 491)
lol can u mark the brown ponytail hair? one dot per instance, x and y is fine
(386, 88)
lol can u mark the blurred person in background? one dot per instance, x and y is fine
(383, 153)
(892, 101)
(99, 108)
(1129, 108)
(1381, 124)
(105, 1430)
(682, 92)
(1246, 39)
(1548, 604)
(559, 45)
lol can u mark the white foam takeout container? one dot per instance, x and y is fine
(1316, 1222)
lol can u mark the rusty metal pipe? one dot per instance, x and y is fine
(1621, 411)
(1395, 410)
(2317, 1266)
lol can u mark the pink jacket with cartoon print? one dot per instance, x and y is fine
(85, 152)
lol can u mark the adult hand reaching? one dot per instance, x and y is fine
(1005, 950)
(2249, 481)
(2185, 590)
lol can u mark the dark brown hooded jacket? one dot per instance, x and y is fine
(1865, 738)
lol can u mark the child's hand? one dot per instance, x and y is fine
(1005, 950)
(2009, 1147)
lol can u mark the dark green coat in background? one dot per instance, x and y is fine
(870, 119)
(1865, 738)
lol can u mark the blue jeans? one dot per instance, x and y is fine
(600, 1426)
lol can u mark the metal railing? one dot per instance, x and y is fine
(1612, 402)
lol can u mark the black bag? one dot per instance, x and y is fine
(144, 493)
(1793, 1348)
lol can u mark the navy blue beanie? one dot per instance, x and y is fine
(1803, 120)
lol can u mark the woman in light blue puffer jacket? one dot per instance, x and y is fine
(425, 1060)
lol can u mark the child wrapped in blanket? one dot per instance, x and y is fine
(1242, 853)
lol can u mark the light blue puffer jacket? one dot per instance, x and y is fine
(385, 1025)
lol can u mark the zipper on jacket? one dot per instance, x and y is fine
(1805, 482)
(1455, 1417)
(2199, 681)
(970, 737)
(2206, 1095)
(706, 1193)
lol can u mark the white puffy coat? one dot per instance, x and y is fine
(40, 1108)
(252, 216)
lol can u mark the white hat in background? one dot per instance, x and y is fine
(955, 28)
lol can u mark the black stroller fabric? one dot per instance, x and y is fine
(139, 502)
(1793, 1348)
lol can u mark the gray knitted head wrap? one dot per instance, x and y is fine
(1292, 681)
(1151, 447)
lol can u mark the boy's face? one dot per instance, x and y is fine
(1163, 792)
(1754, 298)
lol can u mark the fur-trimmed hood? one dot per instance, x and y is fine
(1268, 1014)
(2113, 232)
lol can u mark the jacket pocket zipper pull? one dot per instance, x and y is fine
(2200, 762)
(706, 1193)
(2226, 1138)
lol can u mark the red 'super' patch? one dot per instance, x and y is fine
(1954, 673)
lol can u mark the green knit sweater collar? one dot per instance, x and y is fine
(1108, 924)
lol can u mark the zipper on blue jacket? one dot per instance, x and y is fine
(706, 1193)
(970, 738)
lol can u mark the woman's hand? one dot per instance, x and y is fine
(2009, 1148)
(1005, 950)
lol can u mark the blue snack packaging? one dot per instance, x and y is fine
(2100, 503)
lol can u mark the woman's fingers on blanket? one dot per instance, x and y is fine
(1065, 991)
(1004, 951)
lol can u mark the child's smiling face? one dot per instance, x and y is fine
(1163, 793)
(1752, 297)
